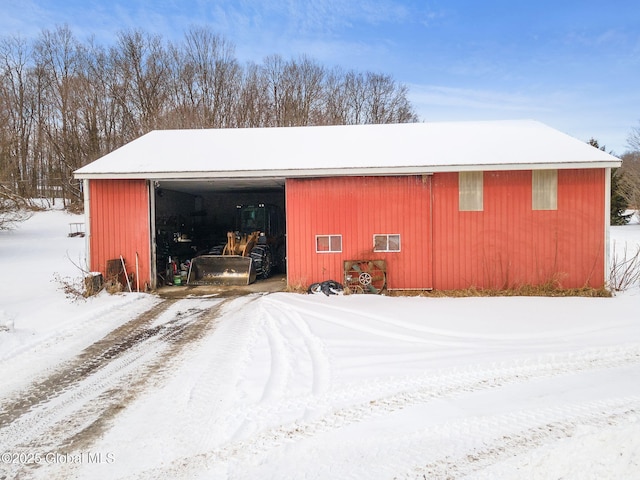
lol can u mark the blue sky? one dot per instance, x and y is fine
(574, 65)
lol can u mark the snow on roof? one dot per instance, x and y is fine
(407, 148)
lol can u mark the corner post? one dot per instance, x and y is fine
(86, 192)
(607, 223)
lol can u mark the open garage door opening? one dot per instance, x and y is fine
(218, 231)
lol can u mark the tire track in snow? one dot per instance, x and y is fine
(317, 352)
(459, 448)
(290, 326)
(294, 353)
(280, 370)
(395, 393)
(368, 403)
(228, 353)
(68, 408)
(63, 330)
(281, 359)
(489, 440)
(88, 361)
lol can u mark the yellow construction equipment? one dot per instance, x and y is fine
(252, 251)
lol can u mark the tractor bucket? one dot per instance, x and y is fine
(221, 270)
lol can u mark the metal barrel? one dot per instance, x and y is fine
(222, 270)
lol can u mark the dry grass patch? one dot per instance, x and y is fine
(546, 290)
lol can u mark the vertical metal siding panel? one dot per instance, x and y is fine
(451, 231)
(520, 201)
(581, 212)
(598, 205)
(304, 233)
(357, 208)
(120, 214)
(515, 201)
(490, 270)
(509, 244)
(408, 224)
(294, 227)
(437, 207)
(502, 269)
(422, 235)
(289, 193)
(496, 269)
(445, 231)
(289, 202)
(300, 242)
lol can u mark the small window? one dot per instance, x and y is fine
(328, 243)
(544, 190)
(386, 243)
(470, 186)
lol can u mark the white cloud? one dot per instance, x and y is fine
(462, 98)
(571, 112)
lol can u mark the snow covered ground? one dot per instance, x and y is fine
(300, 386)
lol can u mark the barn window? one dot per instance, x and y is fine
(328, 243)
(386, 243)
(470, 186)
(545, 190)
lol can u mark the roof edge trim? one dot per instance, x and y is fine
(328, 172)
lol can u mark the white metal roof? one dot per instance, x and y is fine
(389, 149)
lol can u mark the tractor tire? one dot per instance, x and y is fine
(217, 250)
(263, 260)
(281, 257)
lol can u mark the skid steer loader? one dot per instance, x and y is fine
(254, 250)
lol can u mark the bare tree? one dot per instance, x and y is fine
(633, 140)
(143, 68)
(356, 98)
(304, 79)
(386, 102)
(13, 208)
(64, 103)
(102, 83)
(59, 63)
(273, 71)
(335, 98)
(206, 79)
(630, 182)
(254, 102)
(18, 99)
(630, 179)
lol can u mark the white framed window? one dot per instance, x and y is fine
(386, 243)
(544, 189)
(470, 191)
(328, 243)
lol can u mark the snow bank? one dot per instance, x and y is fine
(46, 327)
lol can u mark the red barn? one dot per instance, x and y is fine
(436, 205)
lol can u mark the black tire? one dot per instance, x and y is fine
(282, 260)
(263, 260)
(217, 250)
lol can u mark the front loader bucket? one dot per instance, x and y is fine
(221, 270)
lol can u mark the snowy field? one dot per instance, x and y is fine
(302, 386)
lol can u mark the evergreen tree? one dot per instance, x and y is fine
(619, 204)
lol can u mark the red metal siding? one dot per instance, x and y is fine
(358, 208)
(508, 244)
(119, 216)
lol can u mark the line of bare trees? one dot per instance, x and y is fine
(65, 103)
(630, 171)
